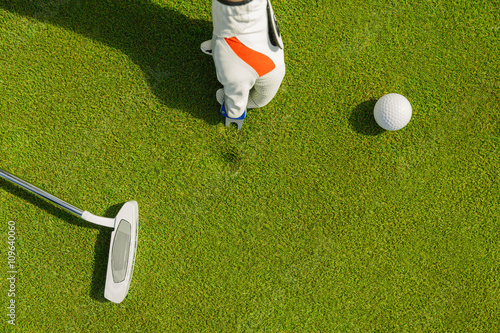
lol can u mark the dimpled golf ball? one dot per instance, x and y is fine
(392, 112)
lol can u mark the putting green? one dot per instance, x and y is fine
(310, 218)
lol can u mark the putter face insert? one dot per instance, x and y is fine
(122, 253)
(123, 238)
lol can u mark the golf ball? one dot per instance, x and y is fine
(392, 112)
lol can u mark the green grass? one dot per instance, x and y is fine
(309, 219)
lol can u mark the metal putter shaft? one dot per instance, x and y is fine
(122, 249)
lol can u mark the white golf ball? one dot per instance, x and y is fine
(392, 112)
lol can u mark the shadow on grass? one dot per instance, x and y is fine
(103, 239)
(163, 42)
(362, 120)
(41, 203)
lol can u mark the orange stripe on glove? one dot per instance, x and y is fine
(261, 63)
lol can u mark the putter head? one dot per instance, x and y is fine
(122, 251)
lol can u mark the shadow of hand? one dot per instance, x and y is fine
(163, 42)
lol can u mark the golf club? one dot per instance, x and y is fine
(123, 245)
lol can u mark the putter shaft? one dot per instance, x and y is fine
(43, 194)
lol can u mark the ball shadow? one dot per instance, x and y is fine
(161, 41)
(363, 121)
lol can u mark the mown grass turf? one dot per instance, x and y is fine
(309, 219)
